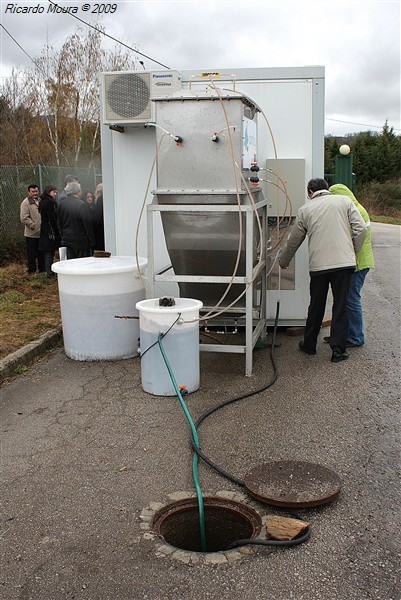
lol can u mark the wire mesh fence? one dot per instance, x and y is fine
(14, 181)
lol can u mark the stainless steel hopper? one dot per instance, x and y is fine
(211, 167)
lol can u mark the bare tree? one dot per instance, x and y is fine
(61, 95)
(23, 135)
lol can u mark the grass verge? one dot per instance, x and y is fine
(29, 306)
(386, 219)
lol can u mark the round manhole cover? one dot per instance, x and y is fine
(294, 484)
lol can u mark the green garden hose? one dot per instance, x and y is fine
(195, 439)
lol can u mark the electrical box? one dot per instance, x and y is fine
(286, 174)
(126, 96)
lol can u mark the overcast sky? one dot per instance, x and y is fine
(358, 43)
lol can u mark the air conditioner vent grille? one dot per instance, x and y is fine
(128, 96)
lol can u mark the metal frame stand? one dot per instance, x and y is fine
(255, 308)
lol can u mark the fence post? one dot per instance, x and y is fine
(344, 172)
(40, 179)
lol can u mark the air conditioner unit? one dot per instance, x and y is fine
(126, 95)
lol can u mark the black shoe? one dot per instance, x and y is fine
(348, 344)
(303, 348)
(339, 356)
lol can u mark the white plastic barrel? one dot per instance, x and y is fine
(93, 292)
(180, 323)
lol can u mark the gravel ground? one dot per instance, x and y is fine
(85, 450)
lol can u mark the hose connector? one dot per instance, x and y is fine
(166, 301)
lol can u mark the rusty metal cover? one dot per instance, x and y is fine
(294, 484)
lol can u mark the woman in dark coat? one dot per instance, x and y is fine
(49, 240)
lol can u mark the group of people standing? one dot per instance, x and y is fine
(71, 219)
(340, 257)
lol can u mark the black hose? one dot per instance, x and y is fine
(277, 543)
(210, 411)
(256, 542)
(162, 335)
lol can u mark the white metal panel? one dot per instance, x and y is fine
(108, 189)
(287, 106)
(134, 153)
(293, 303)
(288, 172)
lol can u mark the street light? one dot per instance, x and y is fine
(345, 149)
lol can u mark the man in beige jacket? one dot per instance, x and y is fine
(335, 231)
(30, 217)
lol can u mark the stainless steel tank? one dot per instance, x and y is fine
(211, 167)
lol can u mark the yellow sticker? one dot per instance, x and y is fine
(210, 74)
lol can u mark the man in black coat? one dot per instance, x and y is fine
(97, 216)
(75, 223)
(63, 193)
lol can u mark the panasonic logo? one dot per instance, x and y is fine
(162, 75)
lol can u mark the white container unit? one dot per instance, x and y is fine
(93, 293)
(180, 324)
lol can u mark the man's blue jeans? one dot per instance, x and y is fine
(355, 330)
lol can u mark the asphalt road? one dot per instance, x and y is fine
(85, 450)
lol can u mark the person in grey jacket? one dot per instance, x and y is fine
(336, 232)
(30, 217)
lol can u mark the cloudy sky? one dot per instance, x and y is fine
(358, 43)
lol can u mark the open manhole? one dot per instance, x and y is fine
(226, 521)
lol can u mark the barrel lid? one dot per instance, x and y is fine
(181, 305)
(99, 266)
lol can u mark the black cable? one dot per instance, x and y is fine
(23, 50)
(213, 465)
(113, 38)
(210, 411)
(256, 542)
(153, 60)
(277, 543)
(361, 124)
(162, 335)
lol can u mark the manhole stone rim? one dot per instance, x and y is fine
(224, 557)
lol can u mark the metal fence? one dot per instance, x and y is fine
(14, 181)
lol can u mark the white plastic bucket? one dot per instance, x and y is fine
(93, 292)
(180, 323)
